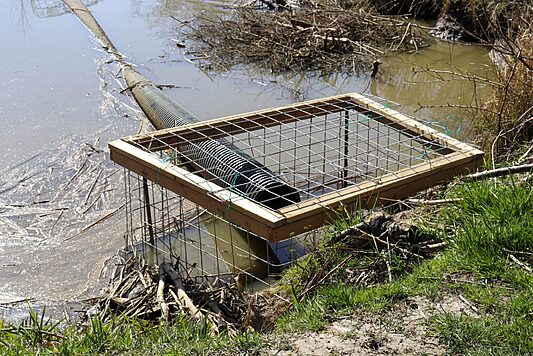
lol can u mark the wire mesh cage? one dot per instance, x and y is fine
(275, 174)
(165, 227)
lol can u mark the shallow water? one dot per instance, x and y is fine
(61, 219)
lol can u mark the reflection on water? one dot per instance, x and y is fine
(60, 92)
(405, 80)
(51, 8)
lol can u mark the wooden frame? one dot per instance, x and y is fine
(133, 153)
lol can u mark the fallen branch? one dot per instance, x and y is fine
(433, 202)
(499, 172)
(521, 264)
(326, 38)
(181, 296)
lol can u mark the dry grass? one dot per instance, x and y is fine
(508, 125)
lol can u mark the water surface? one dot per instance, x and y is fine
(61, 216)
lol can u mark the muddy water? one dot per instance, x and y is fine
(61, 216)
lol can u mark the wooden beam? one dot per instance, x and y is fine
(231, 206)
(235, 124)
(369, 195)
(396, 178)
(400, 120)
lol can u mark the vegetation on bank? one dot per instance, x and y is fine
(488, 254)
(486, 232)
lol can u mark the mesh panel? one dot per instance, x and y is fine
(217, 160)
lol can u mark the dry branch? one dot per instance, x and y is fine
(163, 293)
(323, 37)
(499, 172)
(182, 298)
(160, 294)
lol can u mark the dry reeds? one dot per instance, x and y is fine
(510, 124)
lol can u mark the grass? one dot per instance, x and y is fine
(122, 335)
(493, 219)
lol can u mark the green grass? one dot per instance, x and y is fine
(493, 218)
(122, 335)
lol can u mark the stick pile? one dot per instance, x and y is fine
(149, 294)
(322, 37)
(367, 254)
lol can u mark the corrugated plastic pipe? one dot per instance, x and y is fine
(217, 160)
(220, 160)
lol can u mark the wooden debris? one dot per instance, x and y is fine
(162, 294)
(371, 252)
(499, 172)
(316, 35)
(182, 296)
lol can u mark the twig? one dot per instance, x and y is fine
(71, 178)
(314, 285)
(467, 302)
(371, 237)
(506, 90)
(434, 202)
(57, 220)
(96, 222)
(521, 264)
(456, 106)
(18, 301)
(92, 187)
(160, 298)
(499, 172)
(524, 157)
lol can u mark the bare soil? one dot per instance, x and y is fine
(402, 330)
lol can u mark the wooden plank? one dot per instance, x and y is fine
(406, 122)
(384, 182)
(231, 125)
(217, 200)
(297, 218)
(235, 124)
(371, 197)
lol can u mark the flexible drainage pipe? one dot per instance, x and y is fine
(216, 160)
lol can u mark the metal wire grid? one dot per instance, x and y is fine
(164, 227)
(323, 149)
(317, 150)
